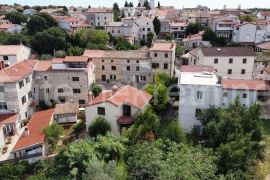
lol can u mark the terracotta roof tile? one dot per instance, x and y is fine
(127, 94)
(8, 118)
(17, 71)
(163, 46)
(58, 60)
(37, 123)
(66, 108)
(43, 65)
(256, 85)
(76, 59)
(10, 49)
(197, 68)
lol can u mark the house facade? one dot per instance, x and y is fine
(244, 33)
(117, 106)
(66, 113)
(99, 17)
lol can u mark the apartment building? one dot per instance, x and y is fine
(118, 106)
(99, 17)
(64, 80)
(133, 66)
(16, 90)
(11, 54)
(178, 29)
(229, 62)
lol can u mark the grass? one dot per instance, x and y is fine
(263, 168)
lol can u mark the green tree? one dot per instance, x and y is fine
(158, 5)
(157, 25)
(116, 12)
(149, 39)
(60, 54)
(100, 170)
(75, 51)
(40, 22)
(193, 28)
(209, 35)
(247, 18)
(92, 36)
(100, 126)
(16, 17)
(95, 89)
(49, 41)
(146, 4)
(174, 133)
(130, 4)
(12, 171)
(53, 133)
(126, 4)
(179, 50)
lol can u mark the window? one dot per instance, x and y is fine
(148, 29)
(2, 89)
(103, 67)
(76, 91)
(60, 90)
(27, 80)
(112, 31)
(230, 61)
(21, 84)
(229, 71)
(155, 65)
(128, 68)
(47, 90)
(143, 78)
(5, 58)
(165, 65)
(81, 101)
(3, 105)
(243, 71)
(225, 94)
(244, 61)
(137, 68)
(244, 96)
(137, 61)
(199, 94)
(143, 29)
(75, 79)
(198, 112)
(45, 78)
(102, 60)
(113, 68)
(113, 76)
(166, 55)
(155, 54)
(23, 100)
(101, 111)
(215, 61)
(26, 114)
(30, 95)
(127, 61)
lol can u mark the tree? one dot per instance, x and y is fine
(179, 50)
(89, 7)
(12, 171)
(123, 14)
(209, 35)
(92, 37)
(100, 126)
(174, 133)
(16, 17)
(60, 54)
(193, 28)
(126, 4)
(130, 4)
(95, 89)
(158, 5)
(247, 18)
(116, 12)
(139, 4)
(100, 170)
(149, 39)
(49, 41)
(53, 133)
(75, 51)
(235, 134)
(157, 25)
(146, 4)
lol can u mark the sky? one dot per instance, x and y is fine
(213, 4)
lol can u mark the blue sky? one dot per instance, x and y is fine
(177, 3)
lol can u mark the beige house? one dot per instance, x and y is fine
(11, 54)
(64, 80)
(118, 106)
(99, 17)
(133, 66)
(66, 113)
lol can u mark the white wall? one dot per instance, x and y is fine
(2, 140)
(245, 33)
(251, 96)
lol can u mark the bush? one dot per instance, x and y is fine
(96, 89)
(79, 127)
(99, 127)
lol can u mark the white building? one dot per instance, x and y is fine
(229, 62)
(264, 15)
(12, 28)
(71, 23)
(119, 106)
(99, 17)
(198, 91)
(29, 11)
(195, 41)
(11, 54)
(244, 33)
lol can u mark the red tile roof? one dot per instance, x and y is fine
(43, 65)
(228, 51)
(8, 118)
(66, 108)
(166, 46)
(76, 59)
(17, 71)
(10, 49)
(94, 53)
(125, 95)
(58, 60)
(197, 68)
(37, 123)
(256, 85)
(100, 10)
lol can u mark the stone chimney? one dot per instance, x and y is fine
(114, 89)
(26, 131)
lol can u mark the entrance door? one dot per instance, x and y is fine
(103, 78)
(126, 110)
(137, 79)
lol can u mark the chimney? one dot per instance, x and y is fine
(114, 89)
(26, 131)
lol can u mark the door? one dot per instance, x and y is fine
(137, 79)
(126, 110)
(103, 77)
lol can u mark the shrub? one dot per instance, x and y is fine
(99, 127)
